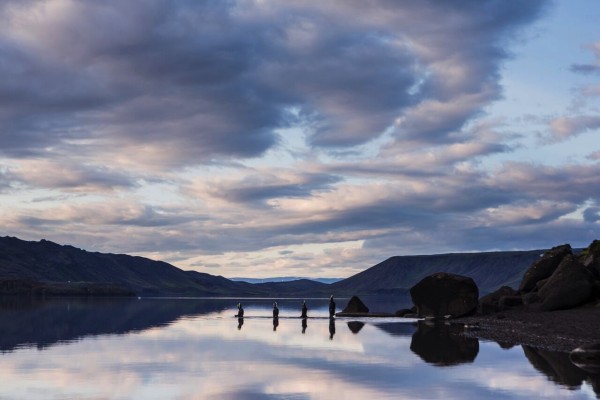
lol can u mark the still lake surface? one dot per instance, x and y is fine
(196, 349)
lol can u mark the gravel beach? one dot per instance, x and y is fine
(554, 330)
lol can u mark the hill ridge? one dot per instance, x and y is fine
(46, 261)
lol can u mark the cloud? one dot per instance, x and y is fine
(592, 214)
(189, 82)
(231, 133)
(262, 186)
(593, 68)
(594, 156)
(70, 177)
(566, 127)
(591, 91)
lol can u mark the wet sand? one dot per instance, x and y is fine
(554, 330)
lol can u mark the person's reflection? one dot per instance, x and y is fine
(275, 323)
(331, 328)
(240, 322)
(304, 325)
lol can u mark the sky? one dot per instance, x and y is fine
(264, 138)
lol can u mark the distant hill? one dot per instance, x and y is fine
(45, 261)
(396, 274)
(56, 269)
(47, 267)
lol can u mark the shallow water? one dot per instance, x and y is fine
(197, 349)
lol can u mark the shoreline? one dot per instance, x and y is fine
(561, 331)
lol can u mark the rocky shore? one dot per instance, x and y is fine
(562, 330)
(556, 307)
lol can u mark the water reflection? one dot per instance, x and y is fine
(187, 348)
(42, 323)
(443, 345)
(355, 326)
(559, 368)
(331, 328)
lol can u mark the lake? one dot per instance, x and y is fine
(196, 349)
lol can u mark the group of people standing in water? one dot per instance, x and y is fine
(303, 316)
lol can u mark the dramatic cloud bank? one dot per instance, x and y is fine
(262, 137)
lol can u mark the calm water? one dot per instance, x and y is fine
(196, 349)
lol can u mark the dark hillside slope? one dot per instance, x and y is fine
(489, 270)
(25, 264)
(46, 261)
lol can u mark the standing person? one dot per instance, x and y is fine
(331, 307)
(304, 310)
(275, 310)
(240, 313)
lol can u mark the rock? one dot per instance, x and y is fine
(569, 286)
(594, 270)
(539, 284)
(530, 298)
(488, 304)
(510, 302)
(403, 312)
(443, 294)
(544, 267)
(591, 253)
(596, 289)
(355, 305)
(412, 315)
(587, 358)
(590, 258)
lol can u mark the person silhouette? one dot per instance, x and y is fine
(331, 307)
(240, 313)
(304, 325)
(304, 310)
(275, 310)
(240, 322)
(331, 328)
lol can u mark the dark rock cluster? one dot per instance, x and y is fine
(559, 280)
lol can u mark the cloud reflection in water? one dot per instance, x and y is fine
(193, 349)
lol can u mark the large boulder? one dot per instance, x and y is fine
(569, 286)
(355, 305)
(544, 267)
(590, 258)
(443, 294)
(489, 303)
